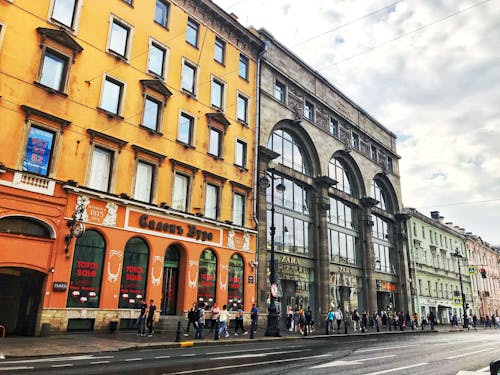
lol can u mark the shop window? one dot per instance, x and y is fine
(134, 274)
(207, 277)
(243, 67)
(65, 12)
(157, 59)
(39, 151)
(86, 271)
(236, 280)
(162, 10)
(219, 50)
(242, 109)
(238, 209)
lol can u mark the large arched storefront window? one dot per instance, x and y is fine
(86, 272)
(379, 193)
(170, 281)
(291, 156)
(134, 273)
(207, 277)
(236, 278)
(341, 174)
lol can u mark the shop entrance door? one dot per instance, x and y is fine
(170, 282)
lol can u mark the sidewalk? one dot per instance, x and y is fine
(98, 342)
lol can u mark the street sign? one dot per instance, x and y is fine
(274, 290)
(457, 301)
(472, 270)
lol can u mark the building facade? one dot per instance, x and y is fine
(127, 160)
(437, 259)
(337, 235)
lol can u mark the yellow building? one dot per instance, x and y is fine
(127, 151)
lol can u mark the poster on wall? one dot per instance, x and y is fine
(207, 277)
(38, 151)
(235, 290)
(134, 277)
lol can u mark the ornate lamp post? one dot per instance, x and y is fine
(459, 256)
(272, 319)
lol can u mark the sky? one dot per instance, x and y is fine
(429, 71)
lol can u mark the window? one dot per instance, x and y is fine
(152, 113)
(243, 67)
(186, 125)
(217, 94)
(309, 111)
(279, 91)
(355, 141)
(64, 11)
(192, 32)
(340, 173)
(334, 127)
(161, 12)
(180, 194)
(373, 153)
(112, 95)
(120, 38)
(129, 2)
(212, 201)
(235, 272)
(242, 108)
(389, 164)
(144, 182)
(219, 50)
(241, 153)
(188, 77)
(215, 142)
(238, 209)
(54, 70)
(100, 169)
(290, 151)
(134, 274)
(157, 59)
(39, 151)
(207, 278)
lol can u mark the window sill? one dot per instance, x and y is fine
(189, 94)
(242, 122)
(191, 44)
(117, 56)
(186, 145)
(162, 26)
(241, 168)
(110, 114)
(222, 63)
(150, 131)
(50, 90)
(155, 75)
(215, 157)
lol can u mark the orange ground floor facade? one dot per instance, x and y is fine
(57, 273)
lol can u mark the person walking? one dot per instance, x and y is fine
(309, 320)
(355, 320)
(201, 320)
(338, 318)
(364, 321)
(224, 318)
(329, 320)
(432, 320)
(474, 322)
(192, 320)
(215, 311)
(254, 317)
(141, 319)
(238, 321)
(289, 318)
(151, 317)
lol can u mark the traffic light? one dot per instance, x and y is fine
(483, 273)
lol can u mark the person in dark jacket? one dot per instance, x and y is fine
(192, 319)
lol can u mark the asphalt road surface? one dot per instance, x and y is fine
(429, 354)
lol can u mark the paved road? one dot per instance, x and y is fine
(436, 354)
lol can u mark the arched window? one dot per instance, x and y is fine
(341, 174)
(380, 194)
(24, 225)
(290, 154)
(134, 273)
(236, 279)
(207, 277)
(86, 272)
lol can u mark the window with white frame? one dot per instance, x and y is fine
(192, 31)
(64, 12)
(39, 151)
(242, 108)
(186, 126)
(100, 169)
(240, 153)
(280, 91)
(212, 201)
(153, 109)
(219, 50)
(188, 83)
(238, 209)
(144, 182)
(157, 59)
(243, 67)
(120, 37)
(309, 111)
(54, 70)
(217, 94)
(215, 142)
(180, 192)
(161, 12)
(112, 93)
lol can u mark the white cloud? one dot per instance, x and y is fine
(438, 89)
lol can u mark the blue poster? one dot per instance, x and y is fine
(38, 151)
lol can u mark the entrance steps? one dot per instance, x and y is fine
(168, 324)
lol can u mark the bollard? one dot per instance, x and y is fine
(216, 330)
(378, 328)
(305, 329)
(252, 329)
(327, 328)
(179, 332)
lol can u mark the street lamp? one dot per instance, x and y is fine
(272, 319)
(459, 256)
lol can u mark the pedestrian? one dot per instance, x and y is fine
(192, 320)
(474, 322)
(309, 320)
(378, 321)
(338, 318)
(432, 319)
(364, 321)
(141, 319)
(302, 319)
(224, 318)
(497, 322)
(238, 320)
(215, 311)
(415, 319)
(329, 320)
(289, 318)
(424, 321)
(254, 317)
(151, 317)
(355, 320)
(384, 319)
(201, 320)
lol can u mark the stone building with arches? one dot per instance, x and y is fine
(339, 235)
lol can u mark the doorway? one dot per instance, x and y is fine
(170, 281)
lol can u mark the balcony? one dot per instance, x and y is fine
(33, 183)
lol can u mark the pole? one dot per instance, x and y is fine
(465, 320)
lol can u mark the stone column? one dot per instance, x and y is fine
(401, 242)
(369, 284)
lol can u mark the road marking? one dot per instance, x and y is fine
(63, 365)
(98, 362)
(16, 368)
(253, 350)
(384, 348)
(484, 369)
(162, 356)
(253, 364)
(257, 355)
(58, 359)
(397, 369)
(469, 353)
(188, 355)
(347, 363)
(133, 359)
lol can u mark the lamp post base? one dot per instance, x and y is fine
(273, 328)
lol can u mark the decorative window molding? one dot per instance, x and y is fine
(117, 142)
